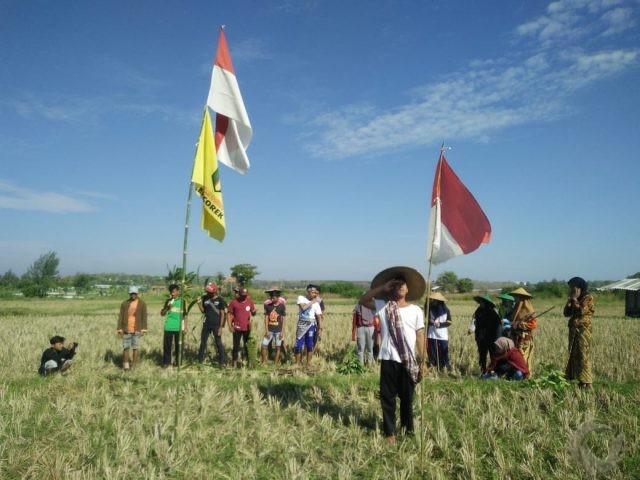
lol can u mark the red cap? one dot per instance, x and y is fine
(211, 288)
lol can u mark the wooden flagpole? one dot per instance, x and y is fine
(182, 298)
(426, 314)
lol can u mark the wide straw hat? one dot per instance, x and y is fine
(437, 296)
(484, 299)
(521, 292)
(415, 281)
(273, 288)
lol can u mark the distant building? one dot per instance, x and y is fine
(631, 286)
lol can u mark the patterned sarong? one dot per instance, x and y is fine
(394, 322)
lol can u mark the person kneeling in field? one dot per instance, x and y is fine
(57, 358)
(506, 361)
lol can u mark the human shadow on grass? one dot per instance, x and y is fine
(290, 393)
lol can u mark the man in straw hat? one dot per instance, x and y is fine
(402, 342)
(439, 320)
(523, 322)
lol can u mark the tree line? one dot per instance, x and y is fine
(43, 276)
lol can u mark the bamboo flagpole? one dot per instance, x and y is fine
(426, 315)
(233, 136)
(183, 287)
(458, 226)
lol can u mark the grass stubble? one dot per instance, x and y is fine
(277, 422)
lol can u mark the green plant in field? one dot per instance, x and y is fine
(551, 377)
(252, 349)
(350, 364)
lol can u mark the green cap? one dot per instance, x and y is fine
(484, 298)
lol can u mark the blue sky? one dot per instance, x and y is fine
(101, 103)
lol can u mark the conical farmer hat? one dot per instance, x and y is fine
(484, 299)
(437, 296)
(415, 281)
(522, 292)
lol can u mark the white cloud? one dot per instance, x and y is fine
(90, 111)
(618, 21)
(17, 198)
(532, 86)
(570, 20)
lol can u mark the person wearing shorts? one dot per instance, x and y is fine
(132, 324)
(274, 314)
(309, 323)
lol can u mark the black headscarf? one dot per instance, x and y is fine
(580, 283)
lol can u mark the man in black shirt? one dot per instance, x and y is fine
(215, 318)
(57, 358)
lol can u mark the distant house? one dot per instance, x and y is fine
(631, 286)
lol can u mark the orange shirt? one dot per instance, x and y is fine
(131, 316)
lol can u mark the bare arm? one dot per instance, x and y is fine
(420, 343)
(304, 306)
(381, 291)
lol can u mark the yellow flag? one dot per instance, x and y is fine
(206, 180)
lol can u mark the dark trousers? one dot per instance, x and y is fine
(236, 344)
(170, 337)
(438, 351)
(483, 352)
(204, 337)
(395, 382)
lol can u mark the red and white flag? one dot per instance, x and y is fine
(457, 224)
(233, 129)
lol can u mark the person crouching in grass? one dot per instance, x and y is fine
(506, 361)
(57, 358)
(402, 342)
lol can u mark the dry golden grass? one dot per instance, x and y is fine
(281, 422)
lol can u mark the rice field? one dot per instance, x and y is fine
(278, 421)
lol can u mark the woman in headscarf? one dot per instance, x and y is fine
(580, 309)
(487, 327)
(523, 323)
(438, 332)
(507, 361)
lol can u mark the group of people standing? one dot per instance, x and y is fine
(217, 314)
